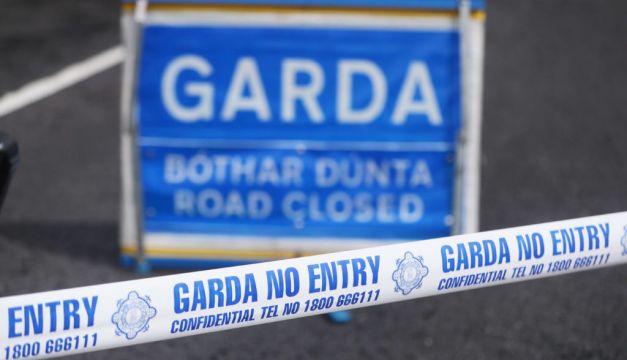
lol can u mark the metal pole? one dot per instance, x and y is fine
(461, 171)
(142, 265)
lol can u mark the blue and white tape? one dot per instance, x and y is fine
(126, 313)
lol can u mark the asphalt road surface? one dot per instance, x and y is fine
(555, 147)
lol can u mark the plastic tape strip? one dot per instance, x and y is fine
(119, 314)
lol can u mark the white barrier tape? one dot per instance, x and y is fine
(119, 314)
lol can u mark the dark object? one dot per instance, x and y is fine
(8, 163)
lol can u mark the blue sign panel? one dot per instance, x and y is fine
(306, 84)
(298, 132)
(339, 194)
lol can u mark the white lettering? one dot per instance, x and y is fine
(246, 75)
(347, 69)
(417, 78)
(307, 94)
(410, 208)
(203, 110)
(327, 172)
(174, 169)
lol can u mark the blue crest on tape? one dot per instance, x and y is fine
(409, 273)
(132, 315)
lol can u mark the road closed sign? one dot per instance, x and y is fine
(272, 130)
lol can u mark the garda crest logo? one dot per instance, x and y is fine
(623, 241)
(132, 315)
(409, 273)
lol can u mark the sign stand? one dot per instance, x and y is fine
(142, 265)
(468, 175)
(143, 245)
(460, 159)
(130, 133)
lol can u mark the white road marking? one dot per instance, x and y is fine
(49, 85)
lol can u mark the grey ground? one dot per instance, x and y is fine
(555, 146)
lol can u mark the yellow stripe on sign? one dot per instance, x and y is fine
(477, 14)
(194, 253)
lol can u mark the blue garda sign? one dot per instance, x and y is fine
(293, 136)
